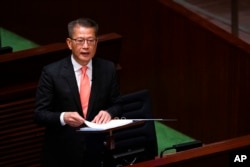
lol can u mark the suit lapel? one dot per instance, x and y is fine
(69, 75)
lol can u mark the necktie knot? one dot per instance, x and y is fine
(84, 69)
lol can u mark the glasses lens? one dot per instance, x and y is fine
(90, 42)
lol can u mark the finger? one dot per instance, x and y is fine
(102, 117)
(97, 118)
(105, 118)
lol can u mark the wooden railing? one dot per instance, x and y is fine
(21, 138)
(221, 154)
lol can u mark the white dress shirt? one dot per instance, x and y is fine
(78, 73)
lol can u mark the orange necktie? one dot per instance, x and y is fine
(84, 90)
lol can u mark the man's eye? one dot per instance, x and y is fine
(80, 41)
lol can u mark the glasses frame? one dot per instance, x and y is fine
(81, 41)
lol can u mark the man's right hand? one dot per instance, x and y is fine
(73, 119)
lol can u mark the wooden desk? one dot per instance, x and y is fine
(215, 154)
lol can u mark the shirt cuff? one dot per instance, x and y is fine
(61, 119)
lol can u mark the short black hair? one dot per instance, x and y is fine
(83, 22)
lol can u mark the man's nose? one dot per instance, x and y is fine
(85, 44)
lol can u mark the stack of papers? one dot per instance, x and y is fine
(111, 124)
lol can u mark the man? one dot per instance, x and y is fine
(61, 109)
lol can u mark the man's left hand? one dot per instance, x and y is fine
(102, 117)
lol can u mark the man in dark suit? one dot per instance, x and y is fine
(58, 104)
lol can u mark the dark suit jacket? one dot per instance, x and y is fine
(58, 92)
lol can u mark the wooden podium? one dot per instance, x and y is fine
(110, 141)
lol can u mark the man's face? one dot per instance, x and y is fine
(83, 44)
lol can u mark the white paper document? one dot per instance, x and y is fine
(111, 124)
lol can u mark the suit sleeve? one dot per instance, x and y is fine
(44, 113)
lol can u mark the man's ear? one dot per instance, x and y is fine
(69, 43)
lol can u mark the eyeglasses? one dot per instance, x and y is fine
(81, 41)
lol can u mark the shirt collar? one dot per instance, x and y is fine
(78, 66)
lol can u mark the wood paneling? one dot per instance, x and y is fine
(21, 139)
(203, 75)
